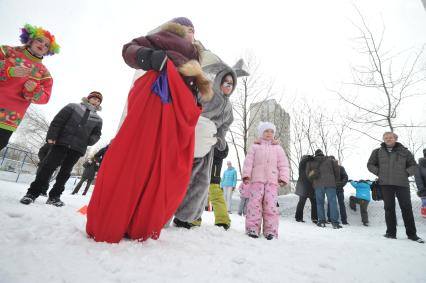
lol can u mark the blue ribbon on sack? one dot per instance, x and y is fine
(161, 87)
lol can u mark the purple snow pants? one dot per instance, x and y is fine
(263, 204)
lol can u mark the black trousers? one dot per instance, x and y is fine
(77, 188)
(4, 137)
(340, 196)
(363, 204)
(58, 156)
(301, 206)
(404, 200)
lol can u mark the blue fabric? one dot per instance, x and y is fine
(229, 178)
(161, 87)
(320, 193)
(424, 202)
(363, 189)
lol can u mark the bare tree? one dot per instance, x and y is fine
(384, 84)
(312, 129)
(31, 134)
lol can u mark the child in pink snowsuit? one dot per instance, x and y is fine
(265, 167)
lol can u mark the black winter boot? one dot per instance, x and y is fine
(56, 201)
(182, 224)
(27, 199)
(252, 234)
(269, 237)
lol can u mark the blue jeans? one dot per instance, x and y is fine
(320, 193)
(341, 201)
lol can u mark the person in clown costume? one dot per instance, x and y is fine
(23, 77)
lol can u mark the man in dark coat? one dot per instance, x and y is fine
(99, 156)
(324, 174)
(393, 164)
(90, 168)
(74, 128)
(421, 176)
(340, 195)
(305, 190)
(42, 153)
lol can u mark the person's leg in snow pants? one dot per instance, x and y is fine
(263, 204)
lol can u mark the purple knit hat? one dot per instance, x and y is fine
(183, 21)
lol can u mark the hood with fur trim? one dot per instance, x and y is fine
(184, 54)
(187, 68)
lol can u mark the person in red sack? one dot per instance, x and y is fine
(23, 77)
(138, 190)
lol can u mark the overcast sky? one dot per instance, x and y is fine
(305, 46)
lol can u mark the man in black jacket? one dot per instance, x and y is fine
(74, 128)
(393, 164)
(421, 176)
(305, 190)
(99, 156)
(324, 174)
(90, 168)
(340, 194)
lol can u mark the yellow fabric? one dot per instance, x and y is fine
(217, 199)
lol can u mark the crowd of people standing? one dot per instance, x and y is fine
(173, 106)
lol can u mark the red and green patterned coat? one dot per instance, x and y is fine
(13, 104)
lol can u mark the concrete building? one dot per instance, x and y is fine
(271, 111)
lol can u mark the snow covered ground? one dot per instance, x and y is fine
(42, 243)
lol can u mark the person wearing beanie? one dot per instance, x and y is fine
(95, 94)
(164, 105)
(218, 114)
(265, 168)
(71, 131)
(324, 174)
(23, 77)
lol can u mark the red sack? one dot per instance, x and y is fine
(146, 170)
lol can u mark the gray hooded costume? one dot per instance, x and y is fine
(219, 111)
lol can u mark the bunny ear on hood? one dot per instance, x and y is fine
(216, 69)
(239, 69)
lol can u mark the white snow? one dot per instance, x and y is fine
(42, 243)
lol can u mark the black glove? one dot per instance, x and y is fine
(158, 59)
(149, 59)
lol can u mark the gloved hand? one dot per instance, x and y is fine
(149, 59)
(158, 59)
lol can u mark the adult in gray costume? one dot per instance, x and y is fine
(219, 111)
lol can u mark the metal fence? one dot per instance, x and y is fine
(17, 164)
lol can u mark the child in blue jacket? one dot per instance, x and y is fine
(363, 197)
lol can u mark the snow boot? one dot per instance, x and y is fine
(269, 237)
(253, 234)
(389, 236)
(416, 239)
(337, 226)
(56, 201)
(182, 224)
(225, 226)
(27, 199)
(321, 224)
